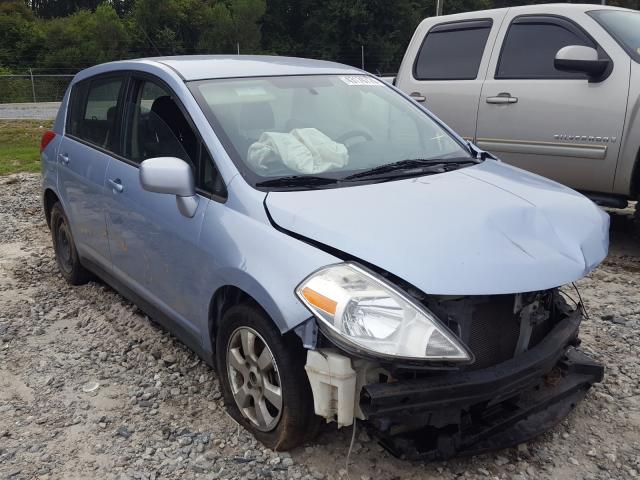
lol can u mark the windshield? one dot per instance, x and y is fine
(328, 126)
(622, 25)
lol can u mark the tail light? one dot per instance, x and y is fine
(46, 139)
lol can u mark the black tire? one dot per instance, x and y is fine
(65, 248)
(297, 421)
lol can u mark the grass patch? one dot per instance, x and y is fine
(20, 145)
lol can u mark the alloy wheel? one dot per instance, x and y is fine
(254, 378)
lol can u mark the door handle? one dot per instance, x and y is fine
(64, 158)
(418, 97)
(116, 185)
(502, 98)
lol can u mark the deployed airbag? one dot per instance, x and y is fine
(305, 150)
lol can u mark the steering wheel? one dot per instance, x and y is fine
(354, 134)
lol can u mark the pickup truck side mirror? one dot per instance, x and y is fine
(173, 176)
(578, 58)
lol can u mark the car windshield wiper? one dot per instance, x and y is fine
(413, 166)
(297, 181)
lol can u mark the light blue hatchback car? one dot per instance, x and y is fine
(332, 248)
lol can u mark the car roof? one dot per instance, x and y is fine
(558, 8)
(200, 67)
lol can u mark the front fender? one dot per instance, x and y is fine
(253, 256)
(273, 303)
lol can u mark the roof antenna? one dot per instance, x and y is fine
(149, 39)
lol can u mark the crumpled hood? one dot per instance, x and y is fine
(486, 229)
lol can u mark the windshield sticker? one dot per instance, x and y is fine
(359, 80)
(250, 91)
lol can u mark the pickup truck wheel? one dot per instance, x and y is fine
(636, 219)
(263, 380)
(65, 248)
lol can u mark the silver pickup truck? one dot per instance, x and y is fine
(554, 89)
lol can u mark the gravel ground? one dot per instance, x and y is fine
(90, 388)
(29, 111)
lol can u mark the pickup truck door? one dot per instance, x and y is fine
(555, 123)
(445, 65)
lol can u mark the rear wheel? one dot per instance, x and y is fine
(263, 380)
(65, 249)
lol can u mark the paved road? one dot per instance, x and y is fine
(27, 111)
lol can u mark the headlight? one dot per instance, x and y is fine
(370, 314)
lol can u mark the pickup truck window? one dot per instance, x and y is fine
(530, 47)
(452, 51)
(623, 26)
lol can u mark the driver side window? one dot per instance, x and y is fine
(158, 128)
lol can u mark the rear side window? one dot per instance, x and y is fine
(452, 51)
(530, 47)
(93, 114)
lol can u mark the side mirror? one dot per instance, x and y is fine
(172, 176)
(577, 58)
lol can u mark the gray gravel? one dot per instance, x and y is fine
(29, 111)
(90, 388)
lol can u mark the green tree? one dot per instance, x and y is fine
(196, 26)
(84, 38)
(215, 28)
(155, 26)
(56, 8)
(246, 16)
(338, 29)
(20, 36)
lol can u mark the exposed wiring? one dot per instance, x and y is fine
(353, 439)
(584, 308)
(573, 300)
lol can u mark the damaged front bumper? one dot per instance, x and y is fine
(481, 410)
(468, 412)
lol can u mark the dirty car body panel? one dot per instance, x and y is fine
(433, 283)
(536, 233)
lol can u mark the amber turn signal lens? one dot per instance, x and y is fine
(320, 301)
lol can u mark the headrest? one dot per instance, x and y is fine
(165, 108)
(111, 114)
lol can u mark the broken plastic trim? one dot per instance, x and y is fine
(505, 424)
(480, 154)
(308, 333)
(462, 389)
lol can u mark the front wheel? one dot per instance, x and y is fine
(263, 380)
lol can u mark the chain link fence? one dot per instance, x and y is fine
(33, 88)
(50, 85)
